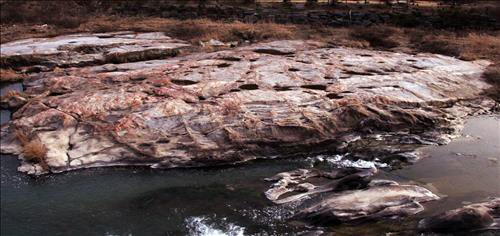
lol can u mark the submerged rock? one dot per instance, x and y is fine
(379, 201)
(272, 99)
(294, 181)
(352, 196)
(478, 216)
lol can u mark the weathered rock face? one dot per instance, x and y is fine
(373, 203)
(352, 196)
(480, 216)
(279, 98)
(88, 49)
(295, 181)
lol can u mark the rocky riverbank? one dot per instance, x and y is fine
(271, 99)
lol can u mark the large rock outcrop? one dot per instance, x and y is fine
(272, 99)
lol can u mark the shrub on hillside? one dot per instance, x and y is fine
(492, 74)
(65, 14)
(433, 44)
(204, 30)
(378, 37)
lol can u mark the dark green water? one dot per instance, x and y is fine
(225, 200)
(129, 201)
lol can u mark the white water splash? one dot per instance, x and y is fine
(198, 226)
(340, 161)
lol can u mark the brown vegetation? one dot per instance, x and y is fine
(423, 42)
(22, 137)
(469, 46)
(64, 14)
(93, 16)
(33, 148)
(231, 106)
(8, 75)
(204, 30)
(12, 93)
(492, 74)
(378, 38)
(480, 46)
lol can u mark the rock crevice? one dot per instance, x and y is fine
(200, 109)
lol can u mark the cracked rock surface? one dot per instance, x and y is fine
(350, 195)
(368, 204)
(88, 49)
(271, 99)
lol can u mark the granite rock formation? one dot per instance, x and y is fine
(265, 100)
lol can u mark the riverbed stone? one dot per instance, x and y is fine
(345, 195)
(373, 203)
(479, 216)
(265, 100)
(287, 183)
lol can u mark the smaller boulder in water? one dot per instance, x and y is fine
(468, 218)
(373, 203)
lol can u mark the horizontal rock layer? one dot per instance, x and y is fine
(272, 99)
(88, 49)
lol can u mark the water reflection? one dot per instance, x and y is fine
(222, 201)
(10, 87)
(4, 116)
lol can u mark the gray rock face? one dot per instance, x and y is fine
(373, 203)
(478, 216)
(271, 99)
(295, 181)
(353, 196)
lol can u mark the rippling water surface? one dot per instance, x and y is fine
(227, 200)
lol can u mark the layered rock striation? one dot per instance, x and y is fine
(272, 99)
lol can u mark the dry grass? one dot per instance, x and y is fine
(22, 137)
(468, 46)
(204, 30)
(492, 74)
(35, 151)
(8, 75)
(33, 148)
(480, 46)
(422, 41)
(12, 93)
(190, 30)
(231, 106)
(67, 14)
(379, 37)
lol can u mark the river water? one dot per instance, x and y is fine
(226, 200)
